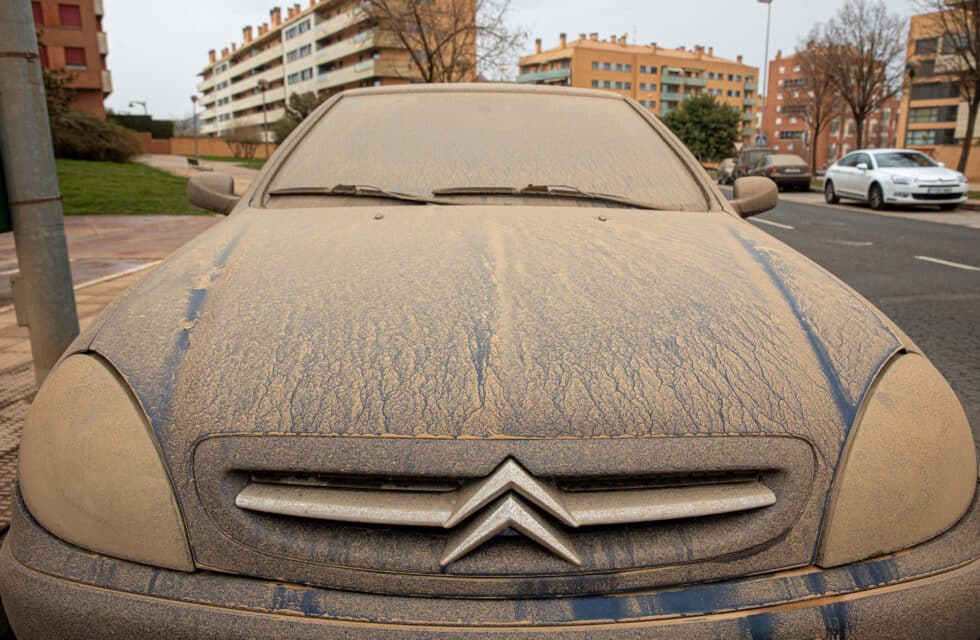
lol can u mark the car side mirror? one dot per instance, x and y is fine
(754, 196)
(863, 166)
(212, 192)
(942, 164)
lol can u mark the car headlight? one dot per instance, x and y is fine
(90, 471)
(908, 471)
(901, 180)
(964, 179)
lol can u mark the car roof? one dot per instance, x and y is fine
(484, 87)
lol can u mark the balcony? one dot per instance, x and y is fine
(748, 132)
(270, 54)
(751, 86)
(253, 101)
(696, 82)
(339, 22)
(672, 80)
(99, 9)
(554, 75)
(106, 82)
(345, 48)
(670, 96)
(748, 117)
(750, 102)
(103, 43)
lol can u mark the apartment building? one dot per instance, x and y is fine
(327, 47)
(785, 124)
(71, 38)
(934, 113)
(658, 78)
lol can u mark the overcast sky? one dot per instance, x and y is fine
(157, 48)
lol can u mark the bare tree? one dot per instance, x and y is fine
(959, 55)
(866, 46)
(451, 40)
(815, 100)
(244, 141)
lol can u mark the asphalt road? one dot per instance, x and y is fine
(936, 304)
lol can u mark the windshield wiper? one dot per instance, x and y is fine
(547, 191)
(355, 191)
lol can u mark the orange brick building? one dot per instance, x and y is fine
(71, 38)
(784, 120)
(657, 77)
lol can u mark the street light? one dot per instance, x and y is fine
(263, 85)
(197, 157)
(765, 63)
(140, 103)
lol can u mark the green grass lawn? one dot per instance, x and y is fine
(973, 195)
(254, 163)
(127, 188)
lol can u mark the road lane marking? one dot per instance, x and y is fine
(772, 224)
(855, 243)
(946, 263)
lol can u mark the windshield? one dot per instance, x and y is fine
(417, 142)
(903, 160)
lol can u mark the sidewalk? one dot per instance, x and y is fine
(177, 165)
(968, 215)
(17, 386)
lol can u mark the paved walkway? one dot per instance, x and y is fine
(177, 165)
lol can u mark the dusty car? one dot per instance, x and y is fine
(786, 170)
(448, 371)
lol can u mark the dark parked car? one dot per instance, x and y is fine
(750, 158)
(787, 171)
(726, 171)
(447, 371)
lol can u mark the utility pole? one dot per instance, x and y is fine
(197, 156)
(263, 85)
(765, 63)
(32, 188)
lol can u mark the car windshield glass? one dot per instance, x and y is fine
(903, 160)
(415, 142)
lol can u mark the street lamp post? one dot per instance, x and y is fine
(263, 85)
(141, 103)
(765, 63)
(197, 156)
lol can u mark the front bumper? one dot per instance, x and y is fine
(53, 590)
(913, 195)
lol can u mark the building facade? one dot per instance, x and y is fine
(785, 125)
(934, 113)
(327, 47)
(71, 39)
(658, 78)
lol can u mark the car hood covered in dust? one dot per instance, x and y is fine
(492, 323)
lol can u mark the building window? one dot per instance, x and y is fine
(926, 46)
(302, 52)
(931, 136)
(38, 13)
(652, 71)
(75, 59)
(647, 86)
(790, 135)
(294, 31)
(70, 15)
(935, 90)
(930, 114)
(301, 76)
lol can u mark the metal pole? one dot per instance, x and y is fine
(765, 63)
(32, 187)
(197, 156)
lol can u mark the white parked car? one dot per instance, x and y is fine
(883, 177)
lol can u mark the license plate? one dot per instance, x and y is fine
(940, 189)
(791, 170)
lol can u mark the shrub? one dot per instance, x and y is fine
(82, 136)
(244, 141)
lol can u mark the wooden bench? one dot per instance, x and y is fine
(194, 162)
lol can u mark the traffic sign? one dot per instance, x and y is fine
(739, 146)
(761, 141)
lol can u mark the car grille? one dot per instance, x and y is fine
(484, 518)
(937, 196)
